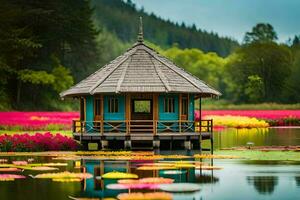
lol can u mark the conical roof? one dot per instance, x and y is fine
(140, 69)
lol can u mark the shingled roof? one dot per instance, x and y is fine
(140, 69)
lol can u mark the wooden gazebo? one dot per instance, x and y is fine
(139, 97)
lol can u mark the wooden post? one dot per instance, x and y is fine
(127, 113)
(155, 113)
(200, 109)
(180, 111)
(102, 116)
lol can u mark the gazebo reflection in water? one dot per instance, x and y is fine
(96, 186)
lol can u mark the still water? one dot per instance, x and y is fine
(239, 179)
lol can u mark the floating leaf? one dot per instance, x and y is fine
(149, 180)
(55, 164)
(155, 167)
(157, 180)
(173, 172)
(10, 177)
(208, 156)
(9, 169)
(23, 162)
(3, 160)
(118, 175)
(176, 156)
(137, 186)
(148, 196)
(41, 168)
(84, 198)
(60, 175)
(128, 181)
(66, 180)
(209, 167)
(180, 187)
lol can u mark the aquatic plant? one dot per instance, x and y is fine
(148, 180)
(10, 177)
(36, 142)
(118, 175)
(64, 175)
(180, 187)
(145, 196)
(214, 156)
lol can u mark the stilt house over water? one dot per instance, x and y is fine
(141, 97)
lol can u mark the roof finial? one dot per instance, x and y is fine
(141, 35)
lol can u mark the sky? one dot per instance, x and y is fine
(231, 18)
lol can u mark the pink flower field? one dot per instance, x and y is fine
(37, 120)
(260, 114)
(32, 121)
(36, 142)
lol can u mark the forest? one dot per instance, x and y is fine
(47, 47)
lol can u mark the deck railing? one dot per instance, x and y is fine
(142, 126)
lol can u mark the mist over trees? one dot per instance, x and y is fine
(45, 47)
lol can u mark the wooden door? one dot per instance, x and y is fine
(184, 104)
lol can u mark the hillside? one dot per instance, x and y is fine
(121, 18)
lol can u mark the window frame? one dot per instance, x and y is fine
(113, 105)
(184, 105)
(82, 105)
(97, 106)
(150, 106)
(169, 105)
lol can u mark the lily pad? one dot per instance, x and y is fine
(155, 167)
(60, 175)
(173, 172)
(41, 168)
(9, 169)
(156, 180)
(136, 186)
(209, 167)
(66, 180)
(180, 187)
(148, 196)
(10, 177)
(23, 162)
(119, 175)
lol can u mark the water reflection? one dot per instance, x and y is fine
(297, 179)
(259, 136)
(263, 184)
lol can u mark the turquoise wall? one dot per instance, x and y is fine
(168, 116)
(114, 116)
(191, 107)
(89, 113)
(191, 115)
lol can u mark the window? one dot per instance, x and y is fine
(82, 109)
(97, 106)
(113, 105)
(184, 104)
(142, 106)
(169, 106)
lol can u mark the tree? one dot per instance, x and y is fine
(296, 41)
(254, 88)
(262, 32)
(268, 61)
(31, 34)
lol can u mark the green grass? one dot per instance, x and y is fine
(262, 155)
(63, 132)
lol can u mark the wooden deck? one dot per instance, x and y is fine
(186, 133)
(139, 136)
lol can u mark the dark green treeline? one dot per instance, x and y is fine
(47, 46)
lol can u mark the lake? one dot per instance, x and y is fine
(239, 178)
